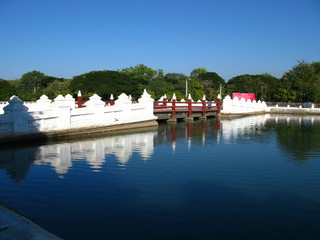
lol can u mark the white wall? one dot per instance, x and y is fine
(61, 114)
(236, 106)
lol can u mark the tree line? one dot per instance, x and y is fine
(299, 84)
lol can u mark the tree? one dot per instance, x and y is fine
(159, 87)
(178, 83)
(140, 73)
(195, 73)
(6, 90)
(212, 82)
(30, 82)
(105, 83)
(196, 90)
(263, 85)
(57, 87)
(304, 80)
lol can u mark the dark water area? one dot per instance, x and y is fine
(249, 178)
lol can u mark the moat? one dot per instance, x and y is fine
(248, 178)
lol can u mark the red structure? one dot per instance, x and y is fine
(188, 108)
(246, 96)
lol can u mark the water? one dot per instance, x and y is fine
(249, 178)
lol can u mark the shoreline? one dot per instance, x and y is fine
(74, 132)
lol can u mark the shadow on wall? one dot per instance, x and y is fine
(46, 117)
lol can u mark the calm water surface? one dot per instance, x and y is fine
(249, 178)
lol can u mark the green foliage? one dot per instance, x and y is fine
(263, 85)
(159, 88)
(212, 82)
(29, 85)
(178, 83)
(196, 90)
(140, 73)
(301, 83)
(195, 73)
(105, 83)
(287, 95)
(57, 87)
(33, 84)
(6, 90)
(304, 80)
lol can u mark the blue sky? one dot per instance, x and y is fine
(64, 38)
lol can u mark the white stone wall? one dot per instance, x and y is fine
(236, 106)
(62, 114)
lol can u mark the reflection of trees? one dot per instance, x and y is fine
(300, 138)
(17, 162)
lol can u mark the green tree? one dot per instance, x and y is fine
(212, 82)
(6, 90)
(57, 87)
(263, 85)
(196, 90)
(178, 83)
(304, 80)
(105, 83)
(160, 87)
(30, 82)
(140, 73)
(195, 73)
(286, 95)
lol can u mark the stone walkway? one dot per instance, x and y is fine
(13, 226)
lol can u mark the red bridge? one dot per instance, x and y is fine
(173, 110)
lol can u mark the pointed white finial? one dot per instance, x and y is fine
(111, 97)
(189, 96)
(79, 94)
(204, 97)
(174, 97)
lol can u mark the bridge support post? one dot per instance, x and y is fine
(204, 110)
(189, 115)
(173, 113)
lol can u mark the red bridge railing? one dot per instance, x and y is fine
(173, 107)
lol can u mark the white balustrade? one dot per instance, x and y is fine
(236, 106)
(45, 115)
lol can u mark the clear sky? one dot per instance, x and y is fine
(64, 38)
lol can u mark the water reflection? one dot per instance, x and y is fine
(61, 156)
(297, 136)
(95, 152)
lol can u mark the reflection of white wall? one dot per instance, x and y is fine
(234, 128)
(58, 156)
(239, 126)
(95, 152)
